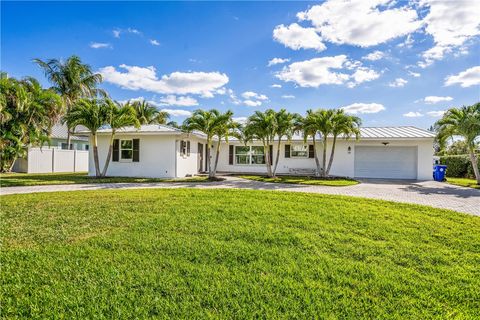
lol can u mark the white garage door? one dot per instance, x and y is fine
(386, 162)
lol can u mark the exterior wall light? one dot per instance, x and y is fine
(385, 143)
(349, 149)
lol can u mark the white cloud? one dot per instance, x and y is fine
(177, 112)
(451, 24)
(116, 33)
(436, 99)
(320, 71)
(467, 78)
(276, 86)
(99, 45)
(413, 114)
(254, 95)
(296, 37)
(361, 23)
(358, 107)
(241, 120)
(414, 74)
(375, 55)
(288, 96)
(399, 82)
(275, 61)
(133, 30)
(145, 78)
(154, 42)
(408, 43)
(436, 114)
(252, 103)
(172, 100)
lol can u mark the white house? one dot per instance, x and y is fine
(163, 151)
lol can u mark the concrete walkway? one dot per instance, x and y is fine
(430, 193)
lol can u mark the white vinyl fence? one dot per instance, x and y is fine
(46, 160)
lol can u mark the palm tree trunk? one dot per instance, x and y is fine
(317, 162)
(69, 139)
(210, 169)
(266, 152)
(109, 155)
(276, 158)
(324, 157)
(474, 160)
(95, 156)
(330, 161)
(217, 154)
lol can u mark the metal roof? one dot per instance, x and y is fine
(59, 131)
(146, 128)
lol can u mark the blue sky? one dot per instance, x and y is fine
(391, 63)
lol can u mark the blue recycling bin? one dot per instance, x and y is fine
(439, 172)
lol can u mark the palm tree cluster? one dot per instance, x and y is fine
(462, 122)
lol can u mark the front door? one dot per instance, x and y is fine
(200, 157)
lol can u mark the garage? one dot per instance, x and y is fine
(385, 162)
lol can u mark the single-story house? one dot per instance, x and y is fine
(163, 151)
(58, 138)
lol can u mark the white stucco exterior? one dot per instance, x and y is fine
(160, 155)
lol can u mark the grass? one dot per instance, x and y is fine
(225, 254)
(25, 179)
(336, 182)
(464, 182)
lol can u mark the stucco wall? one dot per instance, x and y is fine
(187, 165)
(157, 157)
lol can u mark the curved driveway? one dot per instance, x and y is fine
(430, 193)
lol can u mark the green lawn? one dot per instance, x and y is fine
(190, 254)
(464, 182)
(304, 180)
(23, 179)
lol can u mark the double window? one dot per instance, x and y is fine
(299, 151)
(249, 155)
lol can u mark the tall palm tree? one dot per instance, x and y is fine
(284, 127)
(92, 114)
(308, 126)
(72, 80)
(118, 116)
(463, 122)
(214, 124)
(345, 125)
(149, 114)
(262, 126)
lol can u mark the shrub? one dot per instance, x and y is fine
(458, 166)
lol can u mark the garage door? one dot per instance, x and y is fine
(386, 162)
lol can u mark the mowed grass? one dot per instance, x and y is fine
(25, 179)
(464, 182)
(304, 180)
(226, 254)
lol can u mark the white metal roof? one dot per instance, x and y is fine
(59, 131)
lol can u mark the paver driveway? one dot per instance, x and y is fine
(430, 193)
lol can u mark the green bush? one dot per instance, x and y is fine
(458, 166)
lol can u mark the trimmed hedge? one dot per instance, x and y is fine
(459, 166)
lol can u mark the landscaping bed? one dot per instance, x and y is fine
(309, 180)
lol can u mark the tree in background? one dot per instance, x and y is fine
(118, 116)
(463, 122)
(72, 80)
(149, 114)
(27, 113)
(214, 124)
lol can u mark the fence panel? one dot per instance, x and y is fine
(47, 160)
(40, 160)
(63, 160)
(81, 160)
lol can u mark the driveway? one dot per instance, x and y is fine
(430, 193)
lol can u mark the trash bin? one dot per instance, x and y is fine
(439, 172)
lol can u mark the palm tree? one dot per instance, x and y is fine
(92, 114)
(213, 124)
(149, 114)
(262, 126)
(27, 114)
(463, 122)
(72, 80)
(308, 125)
(345, 125)
(284, 127)
(118, 116)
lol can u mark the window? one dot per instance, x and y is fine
(185, 148)
(86, 147)
(249, 155)
(126, 149)
(299, 151)
(64, 146)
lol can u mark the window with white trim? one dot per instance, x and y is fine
(126, 150)
(249, 155)
(299, 151)
(185, 148)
